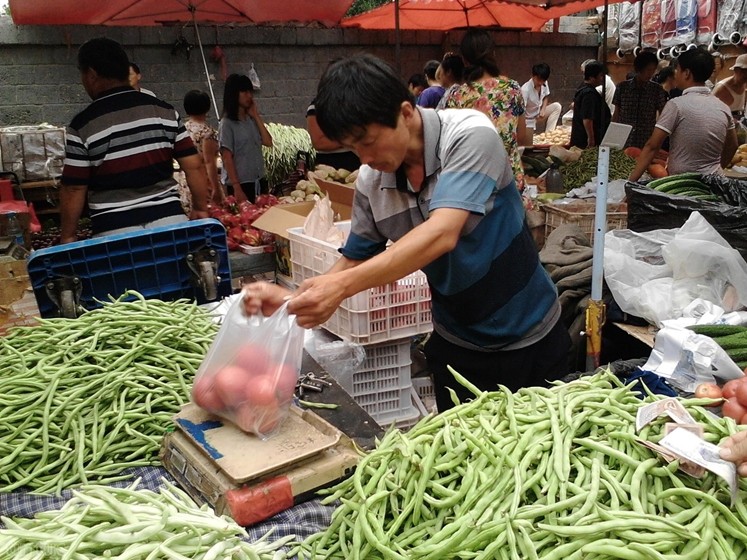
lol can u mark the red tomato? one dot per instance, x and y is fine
(260, 392)
(734, 410)
(206, 396)
(741, 393)
(252, 358)
(730, 387)
(268, 420)
(245, 418)
(708, 391)
(230, 383)
(286, 383)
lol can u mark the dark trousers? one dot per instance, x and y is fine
(250, 189)
(545, 360)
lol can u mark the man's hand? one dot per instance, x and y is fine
(317, 299)
(734, 449)
(263, 297)
(198, 214)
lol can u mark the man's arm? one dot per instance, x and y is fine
(72, 202)
(317, 298)
(589, 128)
(730, 147)
(722, 92)
(649, 151)
(233, 176)
(198, 183)
(616, 114)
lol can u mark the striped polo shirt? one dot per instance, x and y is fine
(697, 124)
(490, 292)
(121, 147)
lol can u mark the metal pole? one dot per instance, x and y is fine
(397, 39)
(204, 64)
(595, 312)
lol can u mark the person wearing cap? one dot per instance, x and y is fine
(700, 126)
(732, 90)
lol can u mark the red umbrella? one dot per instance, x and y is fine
(159, 12)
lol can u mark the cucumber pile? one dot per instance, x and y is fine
(732, 338)
(684, 184)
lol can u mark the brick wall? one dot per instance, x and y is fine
(39, 81)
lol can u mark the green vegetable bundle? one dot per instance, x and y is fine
(82, 399)
(281, 159)
(127, 523)
(684, 184)
(578, 173)
(542, 473)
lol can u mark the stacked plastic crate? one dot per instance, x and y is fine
(383, 320)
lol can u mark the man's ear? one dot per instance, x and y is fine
(406, 109)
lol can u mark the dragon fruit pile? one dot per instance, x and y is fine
(238, 219)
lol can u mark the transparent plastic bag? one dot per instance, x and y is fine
(250, 372)
(657, 274)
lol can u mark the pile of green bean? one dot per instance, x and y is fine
(131, 524)
(578, 173)
(542, 473)
(83, 399)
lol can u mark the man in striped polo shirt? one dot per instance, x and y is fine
(699, 126)
(439, 185)
(120, 150)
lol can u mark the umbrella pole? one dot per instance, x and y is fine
(397, 39)
(596, 312)
(204, 64)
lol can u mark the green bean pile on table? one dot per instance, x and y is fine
(84, 399)
(543, 473)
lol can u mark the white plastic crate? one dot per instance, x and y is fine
(397, 310)
(381, 385)
(405, 418)
(426, 392)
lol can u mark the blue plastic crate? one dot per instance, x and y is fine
(152, 262)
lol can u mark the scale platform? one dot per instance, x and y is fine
(186, 260)
(250, 479)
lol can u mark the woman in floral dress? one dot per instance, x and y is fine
(205, 138)
(486, 90)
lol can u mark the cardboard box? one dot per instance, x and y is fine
(279, 218)
(14, 279)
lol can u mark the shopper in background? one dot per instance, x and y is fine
(539, 112)
(700, 126)
(135, 76)
(329, 152)
(488, 91)
(608, 91)
(241, 135)
(665, 78)
(439, 185)
(120, 151)
(639, 101)
(416, 84)
(205, 138)
(435, 91)
(733, 92)
(451, 75)
(591, 115)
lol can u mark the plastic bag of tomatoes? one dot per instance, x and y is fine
(250, 372)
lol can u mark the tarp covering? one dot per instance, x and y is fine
(160, 12)
(444, 15)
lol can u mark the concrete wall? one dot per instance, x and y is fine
(39, 81)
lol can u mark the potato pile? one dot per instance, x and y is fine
(561, 136)
(740, 158)
(329, 173)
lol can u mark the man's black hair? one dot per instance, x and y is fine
(196, 102)
(417, 80)
(478, 53)
(699, 62)
(664, 74)
(593, 69)
(541, 70)
(356, 92)
(106, 57)
(643, 60)
(135, 68)
(235, 83)
(430, 69)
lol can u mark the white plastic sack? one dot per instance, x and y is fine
(686, 359)
(656, 275)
